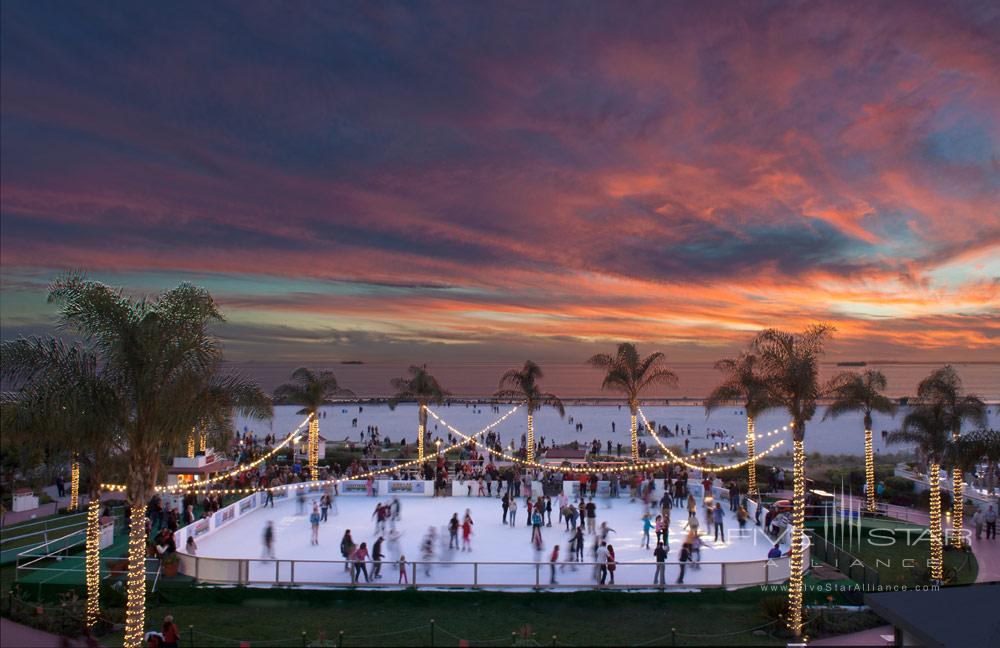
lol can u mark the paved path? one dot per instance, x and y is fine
(872, 637)
(16, 635)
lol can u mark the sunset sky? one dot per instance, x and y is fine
(470, 181)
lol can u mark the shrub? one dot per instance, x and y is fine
(774, 608)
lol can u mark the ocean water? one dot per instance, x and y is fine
(579, 381)
(608, 422)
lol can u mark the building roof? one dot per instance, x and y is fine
(561, 454)
(218, 465)
(950, 617)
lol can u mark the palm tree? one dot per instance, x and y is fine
(927, 426)
(742, 382)
(630, 374)
(312, 390)
(854, 392)
(160, 357)
(522, 384)
(420, 387)
(64, 400)
(789, 364)
(944, 387)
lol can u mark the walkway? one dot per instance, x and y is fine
(873, 637)
(22, 636)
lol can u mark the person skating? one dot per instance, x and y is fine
(314, 523)
(359, 557)
(717, 517)
(512, 516)
(601, 559)
(591, 516)
(453, 525)
(553, 560)
(647, 526)
(504, 506)
(377, 556)
(346, 549)
(268, 551)
(661, 556)
(611, 563)
(467, 531)
(402, 570)
(685, 558)
(578, 543)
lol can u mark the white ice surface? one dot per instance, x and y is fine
(491, 542)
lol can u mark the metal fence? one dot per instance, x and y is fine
(845, 562)
(482, 574)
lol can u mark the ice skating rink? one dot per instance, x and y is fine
(497, 548)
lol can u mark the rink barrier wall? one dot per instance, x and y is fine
(480, 574)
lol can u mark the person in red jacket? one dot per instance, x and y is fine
(170, 635)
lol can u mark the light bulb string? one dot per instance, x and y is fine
(734, 444)
(232, 473)
(590, 469)
(329, 482)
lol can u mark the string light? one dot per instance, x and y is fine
(752, 468)
(232, 473)
(135, 604)
(869, 471)
(706, 466)
(199, 488)
(798, 520)
(937, 557)
(313, 446)
(92, 562)
(74, 484)
(602, 470)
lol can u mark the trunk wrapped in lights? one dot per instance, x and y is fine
(752, 467)
(798, 519)
(531, 437)
(869, 471)
(635, 437)
(937, 558)
(93, 560)
(74, 485)
(421, 431)
(135, 589)
(314, 446)
(190, 448)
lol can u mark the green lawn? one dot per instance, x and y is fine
(898, 552)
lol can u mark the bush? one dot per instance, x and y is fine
(898, 485)
(774, 608)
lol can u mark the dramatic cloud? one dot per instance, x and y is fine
(384, 179)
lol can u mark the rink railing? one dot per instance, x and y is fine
(482, 574)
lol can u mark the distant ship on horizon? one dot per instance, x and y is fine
(853, 363)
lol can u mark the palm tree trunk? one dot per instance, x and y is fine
(190, 448)
(93, 559)
(937, 566)
(313, 446)
(869, 471)
(752, 466)
(531, 437)
(421, 430)
(74, 485)
(633, 427)
(203, 442)
(957, 502)
(135, 603)
(798, 520)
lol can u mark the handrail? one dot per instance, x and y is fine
(284, 572)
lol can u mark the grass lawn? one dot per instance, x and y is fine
(898, 552)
